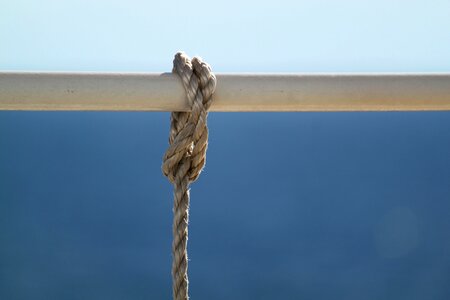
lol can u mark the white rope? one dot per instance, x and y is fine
(185, 157)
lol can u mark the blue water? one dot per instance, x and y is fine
(290, 206)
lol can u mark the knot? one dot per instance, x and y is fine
(188, 140)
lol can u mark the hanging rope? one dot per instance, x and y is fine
(186, 155)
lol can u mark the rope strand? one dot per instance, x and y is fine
(186, 157)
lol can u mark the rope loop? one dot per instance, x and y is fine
(188, 140)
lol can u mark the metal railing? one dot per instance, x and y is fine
(235, 92)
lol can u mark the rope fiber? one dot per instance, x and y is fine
(186, 156)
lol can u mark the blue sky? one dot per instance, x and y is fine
(233, 36)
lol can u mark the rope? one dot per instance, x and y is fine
(186, 155)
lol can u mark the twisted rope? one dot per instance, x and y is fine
(186, 155)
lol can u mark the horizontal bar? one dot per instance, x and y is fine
(235, 92)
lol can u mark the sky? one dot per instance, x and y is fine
(233, 36)
(289, 206)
